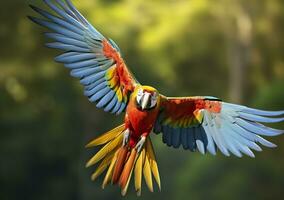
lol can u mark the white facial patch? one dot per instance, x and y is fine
(154, 98)
(146, 99)
(139, 96)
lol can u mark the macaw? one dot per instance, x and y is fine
(200, 123)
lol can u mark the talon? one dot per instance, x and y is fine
(140, 144)
(125, 137)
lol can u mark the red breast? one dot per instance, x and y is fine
(142, 121)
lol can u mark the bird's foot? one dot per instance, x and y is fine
(126, 135)
(140, 144)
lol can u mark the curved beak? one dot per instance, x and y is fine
(145, 100)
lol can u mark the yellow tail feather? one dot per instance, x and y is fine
(140, 163)
(153, 162)
(115, 143)
(103, 165)
(138, 172)
(106, 137)
(109, 171)
(147, 173)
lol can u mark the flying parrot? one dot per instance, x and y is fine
(199, 123)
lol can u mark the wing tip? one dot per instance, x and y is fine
(32, 18)
(36, 9)
(272, 145)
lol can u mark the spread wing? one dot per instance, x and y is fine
(92, 58)
(206, 123)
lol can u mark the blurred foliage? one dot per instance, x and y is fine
(230, 49)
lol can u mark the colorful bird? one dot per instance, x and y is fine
(194, 123)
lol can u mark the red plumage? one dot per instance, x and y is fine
(139, 122)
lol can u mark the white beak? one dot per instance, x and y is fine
(145, 100)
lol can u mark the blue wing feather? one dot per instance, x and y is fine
(122, 107)
(92, 78)
(58, 21)
(164, 136)
(66, 8)
(66, 47)
(211, 145)
(62, 39)
(262, 112)
(70, 18)
(71, 57)
(236, 129)
(264, 142)
(97, 88)
(257, 129)
(236, 136)
(191, 139)
(116, 107)
(258, 118)
(94, 84)
(83, 51)
(77, 14)
(168, 135)
(184, 138)
(83, 64)
(80, 73)
(106, 99)
(111, 104)
(201, 140)
(99, 94)
(57, 28)
(231, 145)
(176, 137)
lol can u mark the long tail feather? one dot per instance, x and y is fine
(105, 150)
(153, 162)
(103, 166)
(147, 173)
(106, 137)
(127, 169)
(109, 171)
(138, 173)
(127, 172)
(122, 155)
(124, 190)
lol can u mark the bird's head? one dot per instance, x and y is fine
(147, 97)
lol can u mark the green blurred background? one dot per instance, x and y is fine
(225, 48)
